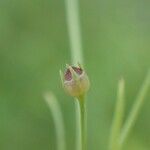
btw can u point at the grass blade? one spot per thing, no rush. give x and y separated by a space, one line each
55 109
118 117
135 110
73 23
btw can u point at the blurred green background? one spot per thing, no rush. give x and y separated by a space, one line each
34 45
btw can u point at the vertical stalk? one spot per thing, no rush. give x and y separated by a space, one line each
82 122
78 125
118 117
135 110
58 120
73 24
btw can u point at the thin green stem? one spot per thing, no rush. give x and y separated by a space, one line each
118 117
58 120
83 123
78 127
135 111
73 23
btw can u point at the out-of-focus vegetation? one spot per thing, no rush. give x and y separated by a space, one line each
34 45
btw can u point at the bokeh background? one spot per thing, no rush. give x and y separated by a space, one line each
34 45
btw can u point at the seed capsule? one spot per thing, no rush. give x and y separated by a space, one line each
75 81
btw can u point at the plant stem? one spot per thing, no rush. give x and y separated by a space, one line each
135 111
82 122
118 117
58 120
78 128
73 23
